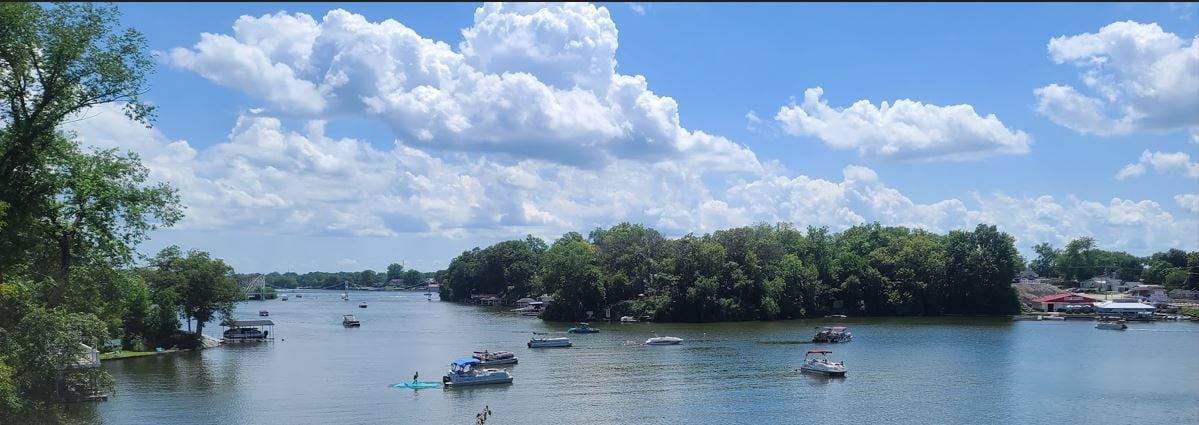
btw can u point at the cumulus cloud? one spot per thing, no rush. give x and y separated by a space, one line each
1162 162
1141 79
1189 202
267 179
906 129
529 81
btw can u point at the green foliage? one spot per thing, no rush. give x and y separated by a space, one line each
758 272
395 271
202 286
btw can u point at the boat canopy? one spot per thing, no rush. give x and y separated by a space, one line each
819 351
466 361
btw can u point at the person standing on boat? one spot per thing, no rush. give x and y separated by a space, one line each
415 376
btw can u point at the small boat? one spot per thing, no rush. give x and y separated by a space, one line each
495 358
463 372
837 316
1118 325
350 321
822 365
245 334
663 340
583 328
628 319
833 334
536 342
362 304
299 295
264 313
284 297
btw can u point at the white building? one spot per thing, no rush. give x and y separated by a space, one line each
1124 306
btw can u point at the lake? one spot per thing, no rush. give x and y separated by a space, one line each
901 371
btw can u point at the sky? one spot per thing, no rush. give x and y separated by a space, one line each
347 136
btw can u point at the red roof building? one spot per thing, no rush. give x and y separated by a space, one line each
1057 302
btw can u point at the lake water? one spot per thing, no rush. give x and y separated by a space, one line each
901 371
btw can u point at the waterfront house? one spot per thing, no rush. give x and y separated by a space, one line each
1057 302
1151 293
524 302
1102 283
486 299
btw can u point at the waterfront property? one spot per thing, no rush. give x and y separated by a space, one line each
1151 293
1058 302
1124 307
247 330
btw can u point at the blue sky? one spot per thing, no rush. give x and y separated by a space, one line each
285 166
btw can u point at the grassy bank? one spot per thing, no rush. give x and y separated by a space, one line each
130 354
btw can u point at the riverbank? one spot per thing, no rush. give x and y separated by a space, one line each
205 343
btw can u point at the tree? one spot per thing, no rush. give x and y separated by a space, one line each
412 278
204 285
571 274
102 212
366 278
395 271
55 63
1045 264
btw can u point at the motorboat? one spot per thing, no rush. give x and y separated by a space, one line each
1117 325
362 304
663 340
244 334
350 321
833 334
628 319
284 297
816 361
467 371
264 313
583 328
299 295
536 342
495 358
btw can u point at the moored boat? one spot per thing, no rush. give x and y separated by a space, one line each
362 304
264 313
583 328
536 342
350 321
495 358
628 319
464 372
821 364
833 334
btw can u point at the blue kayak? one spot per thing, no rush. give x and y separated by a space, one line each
419 384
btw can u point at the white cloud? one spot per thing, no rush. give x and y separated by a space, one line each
906 129
638 8
752 120
1143 79
267 180
1189 202
1162 162
528 81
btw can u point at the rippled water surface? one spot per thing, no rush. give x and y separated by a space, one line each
901 371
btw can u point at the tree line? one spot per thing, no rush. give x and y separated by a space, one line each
1080 260
395 275
760 272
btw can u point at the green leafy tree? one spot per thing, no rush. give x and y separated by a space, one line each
55 62
204 286
1045 264
412 278
395 271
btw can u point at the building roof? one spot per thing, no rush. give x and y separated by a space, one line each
1066 297
244 323
1111 305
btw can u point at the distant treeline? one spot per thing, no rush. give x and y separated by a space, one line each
1080 260
365 278
760 272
